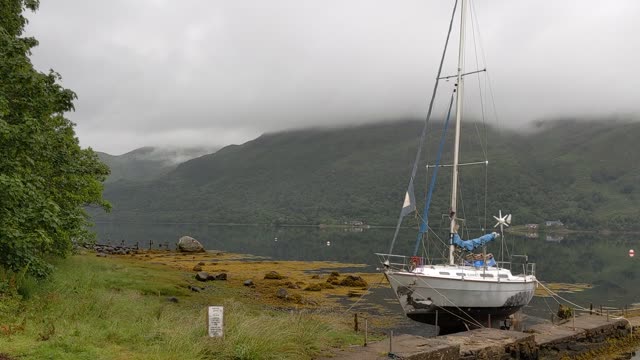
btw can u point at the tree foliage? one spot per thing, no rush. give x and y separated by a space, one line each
45 177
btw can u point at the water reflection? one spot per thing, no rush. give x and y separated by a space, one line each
600 260
281 243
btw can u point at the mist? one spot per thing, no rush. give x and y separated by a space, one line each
211 73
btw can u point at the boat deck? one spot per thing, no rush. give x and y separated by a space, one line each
471 273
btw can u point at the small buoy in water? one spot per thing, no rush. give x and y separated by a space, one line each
328 243
631 253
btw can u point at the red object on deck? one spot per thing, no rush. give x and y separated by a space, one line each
417 260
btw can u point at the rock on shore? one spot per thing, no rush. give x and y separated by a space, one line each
189 244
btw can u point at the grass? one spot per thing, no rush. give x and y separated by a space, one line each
118 308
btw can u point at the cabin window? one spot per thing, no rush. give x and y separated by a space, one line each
486 275
444 273
460 274
503 276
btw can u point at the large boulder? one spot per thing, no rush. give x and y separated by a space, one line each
189 244
203 276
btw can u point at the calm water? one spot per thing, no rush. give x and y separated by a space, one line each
600 260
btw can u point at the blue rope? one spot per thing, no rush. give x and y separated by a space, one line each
427 205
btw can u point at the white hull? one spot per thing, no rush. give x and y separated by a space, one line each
460 292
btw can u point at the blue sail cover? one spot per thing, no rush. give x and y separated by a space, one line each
473 243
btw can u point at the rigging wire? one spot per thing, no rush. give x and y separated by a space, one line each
428 117
475 26
441 241
442 250
484 60
425 239
425 220
481 214
470 319
482 112
365 293
483 144
473 321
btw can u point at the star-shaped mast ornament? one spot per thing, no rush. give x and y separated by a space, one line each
502 220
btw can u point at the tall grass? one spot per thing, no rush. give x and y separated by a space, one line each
118 309
272 335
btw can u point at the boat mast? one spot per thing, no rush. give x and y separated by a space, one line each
454 186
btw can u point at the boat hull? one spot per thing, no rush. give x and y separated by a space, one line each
455 304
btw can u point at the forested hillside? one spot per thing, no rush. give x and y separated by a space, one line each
582 173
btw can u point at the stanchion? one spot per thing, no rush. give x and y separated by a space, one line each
355 322
366 330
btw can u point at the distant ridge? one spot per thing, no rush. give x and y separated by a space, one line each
583 173
148 163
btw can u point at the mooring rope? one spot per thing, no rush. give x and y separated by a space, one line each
560 297
554 295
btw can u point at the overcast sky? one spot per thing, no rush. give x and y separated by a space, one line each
201 72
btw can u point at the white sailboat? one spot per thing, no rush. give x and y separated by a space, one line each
457 293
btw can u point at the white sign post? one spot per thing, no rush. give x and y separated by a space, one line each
216 321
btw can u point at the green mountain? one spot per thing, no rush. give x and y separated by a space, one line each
148 163
582 173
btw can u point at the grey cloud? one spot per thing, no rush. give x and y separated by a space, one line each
216 72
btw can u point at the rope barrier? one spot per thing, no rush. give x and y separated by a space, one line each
578 307
565 300
553 295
